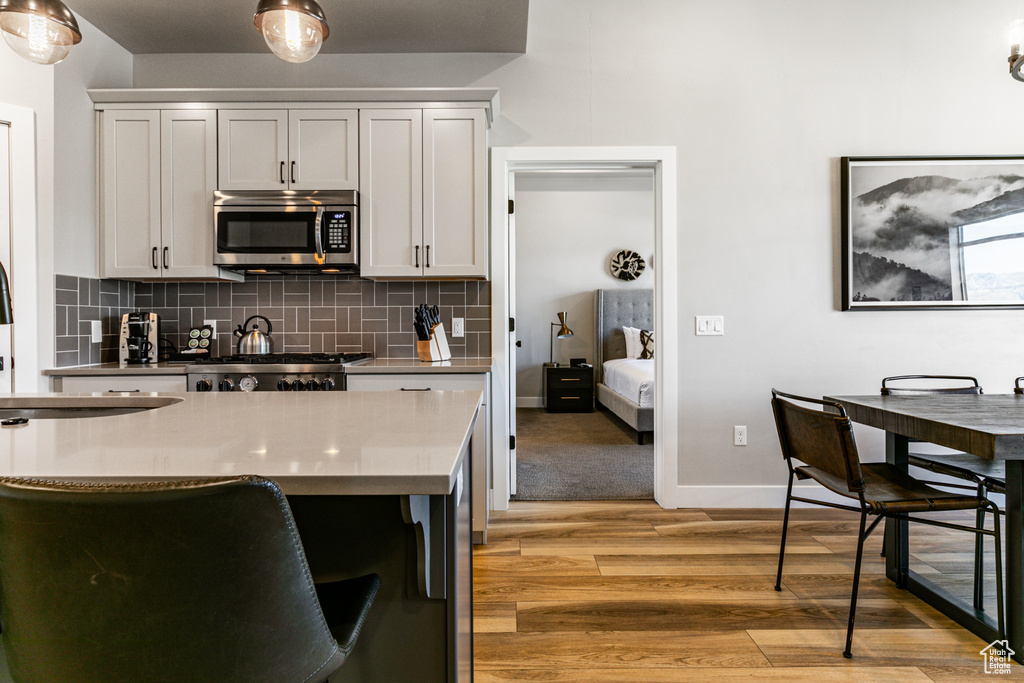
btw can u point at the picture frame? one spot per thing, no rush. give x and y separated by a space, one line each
932 232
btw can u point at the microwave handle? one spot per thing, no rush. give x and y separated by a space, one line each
318 227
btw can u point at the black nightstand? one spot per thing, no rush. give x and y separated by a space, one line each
568 389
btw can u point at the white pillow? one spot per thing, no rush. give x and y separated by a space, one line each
632 335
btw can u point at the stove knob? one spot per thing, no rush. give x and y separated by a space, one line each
313 385
283 385
298 385
204 385
226 385
327 384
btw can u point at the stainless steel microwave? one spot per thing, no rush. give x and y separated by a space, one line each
286 230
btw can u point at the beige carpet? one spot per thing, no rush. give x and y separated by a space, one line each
580 456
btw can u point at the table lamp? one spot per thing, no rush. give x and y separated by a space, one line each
563 332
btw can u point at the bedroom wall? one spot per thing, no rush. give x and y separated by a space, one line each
761 98
567 229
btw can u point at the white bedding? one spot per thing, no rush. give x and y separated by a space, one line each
633 378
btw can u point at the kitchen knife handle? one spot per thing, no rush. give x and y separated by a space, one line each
417 256
155 266
166 250
282 173
293 173
428 256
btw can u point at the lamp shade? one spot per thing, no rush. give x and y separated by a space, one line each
564 331
293 29
6 313
41 31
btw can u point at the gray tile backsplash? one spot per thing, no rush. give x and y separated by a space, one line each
308 314
79 302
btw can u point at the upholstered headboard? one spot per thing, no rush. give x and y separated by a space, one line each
613 309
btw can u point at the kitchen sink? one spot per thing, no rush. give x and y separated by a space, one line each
15 409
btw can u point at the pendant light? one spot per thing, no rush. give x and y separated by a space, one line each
294 29
41 31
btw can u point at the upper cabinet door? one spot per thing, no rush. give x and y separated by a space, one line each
188 162
252 149
323 146
454 193
130 194
391 192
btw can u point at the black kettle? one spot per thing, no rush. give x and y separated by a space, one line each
254 342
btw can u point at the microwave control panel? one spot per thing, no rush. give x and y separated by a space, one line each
338 230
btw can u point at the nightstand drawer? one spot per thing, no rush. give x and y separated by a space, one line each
570 382
570 402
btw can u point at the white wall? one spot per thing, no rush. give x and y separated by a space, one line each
567 229
761 97
96 62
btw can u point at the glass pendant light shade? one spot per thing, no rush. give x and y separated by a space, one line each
294 29
41 31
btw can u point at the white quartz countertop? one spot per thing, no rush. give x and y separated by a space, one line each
373 366
341 443
118 369
403 366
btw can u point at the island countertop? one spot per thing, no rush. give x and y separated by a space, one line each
342 443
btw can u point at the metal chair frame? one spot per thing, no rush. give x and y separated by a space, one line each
937 464
835 414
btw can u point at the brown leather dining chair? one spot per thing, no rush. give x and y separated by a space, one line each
818 443
982 475
182 581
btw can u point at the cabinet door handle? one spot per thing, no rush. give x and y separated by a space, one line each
155 266
570 379
283 181
123 391
570 398
166 249
404 389
417 256
427 264
293 173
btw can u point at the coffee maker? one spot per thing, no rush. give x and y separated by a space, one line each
138 340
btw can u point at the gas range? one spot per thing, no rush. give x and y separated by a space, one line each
273 372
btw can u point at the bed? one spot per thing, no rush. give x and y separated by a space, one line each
624 386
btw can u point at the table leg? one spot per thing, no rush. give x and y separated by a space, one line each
897 550
1015 557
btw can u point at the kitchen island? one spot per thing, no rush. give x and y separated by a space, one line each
377 481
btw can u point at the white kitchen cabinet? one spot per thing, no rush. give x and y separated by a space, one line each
481 453
158 171
297 149
423 193
87 384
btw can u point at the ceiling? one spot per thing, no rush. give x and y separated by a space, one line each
356 26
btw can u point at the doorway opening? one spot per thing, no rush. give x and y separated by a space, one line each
570 227
511 166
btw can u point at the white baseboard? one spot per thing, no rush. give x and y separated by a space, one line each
529 401
752 496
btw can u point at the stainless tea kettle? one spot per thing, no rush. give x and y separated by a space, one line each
254 342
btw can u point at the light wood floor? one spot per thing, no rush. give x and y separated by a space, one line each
625 591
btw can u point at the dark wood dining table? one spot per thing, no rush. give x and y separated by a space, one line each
989 426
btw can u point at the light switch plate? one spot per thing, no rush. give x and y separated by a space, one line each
710 325
213 326
97 331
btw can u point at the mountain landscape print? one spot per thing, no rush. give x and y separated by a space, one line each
933 232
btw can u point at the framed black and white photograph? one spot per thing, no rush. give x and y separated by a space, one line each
933 232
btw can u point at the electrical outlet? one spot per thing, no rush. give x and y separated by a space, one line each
458 327
739 435
213 326
97 331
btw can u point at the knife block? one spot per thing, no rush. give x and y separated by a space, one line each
435 348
